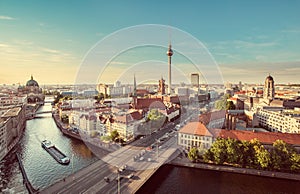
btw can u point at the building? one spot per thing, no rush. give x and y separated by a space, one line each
278 119
195 80
33 91
3 139
12 124
214 119
114 90
195 134
125 123
12 100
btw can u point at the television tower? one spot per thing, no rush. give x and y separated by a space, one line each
169 54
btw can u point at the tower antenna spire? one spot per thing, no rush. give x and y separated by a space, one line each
169 54
170 35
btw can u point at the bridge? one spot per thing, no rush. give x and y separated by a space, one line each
42 112
38 114
141 162
48 101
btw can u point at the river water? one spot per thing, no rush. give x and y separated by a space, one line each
172 179
42 170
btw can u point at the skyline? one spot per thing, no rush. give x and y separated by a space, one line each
50 39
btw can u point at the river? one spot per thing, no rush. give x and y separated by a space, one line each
173 179
42 170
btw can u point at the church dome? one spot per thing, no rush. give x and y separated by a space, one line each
32 82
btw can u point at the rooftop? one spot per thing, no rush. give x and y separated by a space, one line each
12 112
195 128
264 137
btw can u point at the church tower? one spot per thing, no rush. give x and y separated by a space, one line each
161 86
269 89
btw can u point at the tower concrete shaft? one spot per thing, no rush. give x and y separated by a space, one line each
169 54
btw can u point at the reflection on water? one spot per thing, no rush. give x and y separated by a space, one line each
42 170
172 179
81 149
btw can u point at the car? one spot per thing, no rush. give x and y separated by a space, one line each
141 158
106 179
130 176
122 168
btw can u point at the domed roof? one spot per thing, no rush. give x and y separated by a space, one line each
270 78
32 82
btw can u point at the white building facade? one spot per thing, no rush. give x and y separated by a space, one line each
279 120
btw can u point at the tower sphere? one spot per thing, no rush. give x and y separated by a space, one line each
170 52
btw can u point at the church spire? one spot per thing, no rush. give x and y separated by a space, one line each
134 93
134 86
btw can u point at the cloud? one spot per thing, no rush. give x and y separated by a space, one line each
47 50
247 44
291 31
3 17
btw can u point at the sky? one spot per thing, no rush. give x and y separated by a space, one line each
53 40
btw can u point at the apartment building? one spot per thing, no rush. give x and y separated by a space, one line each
277 119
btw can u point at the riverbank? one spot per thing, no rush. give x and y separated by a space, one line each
185 162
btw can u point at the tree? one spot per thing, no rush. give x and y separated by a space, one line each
156 119
65 118
218 151
105 138
232 151
208 156
193 154
224 104
281 155
295 159
230 105
114 135
262 156
247 156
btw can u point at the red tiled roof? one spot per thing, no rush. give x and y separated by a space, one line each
195 128
263 137
127 118
207 117
143 103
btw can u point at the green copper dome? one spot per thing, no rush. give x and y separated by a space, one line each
32 82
